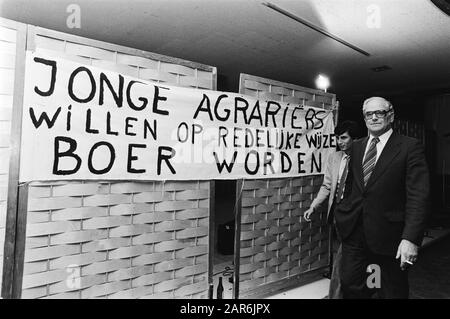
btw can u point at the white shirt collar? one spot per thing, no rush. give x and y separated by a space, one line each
383 137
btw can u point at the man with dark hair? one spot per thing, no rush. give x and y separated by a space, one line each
331 193
383 214
348 127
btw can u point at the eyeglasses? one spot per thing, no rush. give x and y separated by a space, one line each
378 114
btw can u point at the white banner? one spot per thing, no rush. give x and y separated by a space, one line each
82 122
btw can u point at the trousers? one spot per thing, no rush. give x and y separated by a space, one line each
385 281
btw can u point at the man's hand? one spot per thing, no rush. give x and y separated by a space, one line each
307 214
407 252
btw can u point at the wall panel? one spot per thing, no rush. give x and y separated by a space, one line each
7 64
276 244
119 239
12 45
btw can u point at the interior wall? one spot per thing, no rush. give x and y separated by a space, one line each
437 117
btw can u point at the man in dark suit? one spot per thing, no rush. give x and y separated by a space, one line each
383 214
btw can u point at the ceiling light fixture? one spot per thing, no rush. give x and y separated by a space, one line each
314 27
322 82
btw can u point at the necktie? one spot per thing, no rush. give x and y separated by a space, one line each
369 161
340 190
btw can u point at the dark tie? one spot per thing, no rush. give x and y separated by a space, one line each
370 159
342 180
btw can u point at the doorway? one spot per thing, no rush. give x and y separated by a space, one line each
224 230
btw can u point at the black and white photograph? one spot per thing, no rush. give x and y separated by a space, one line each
226 155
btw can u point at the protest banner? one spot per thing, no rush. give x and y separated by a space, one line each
85 123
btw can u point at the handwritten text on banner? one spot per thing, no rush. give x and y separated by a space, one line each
84 122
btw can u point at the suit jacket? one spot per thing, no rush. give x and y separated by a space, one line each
330 180
394 203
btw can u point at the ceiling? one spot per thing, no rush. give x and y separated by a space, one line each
410 36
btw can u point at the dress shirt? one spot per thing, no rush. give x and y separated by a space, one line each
380 145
